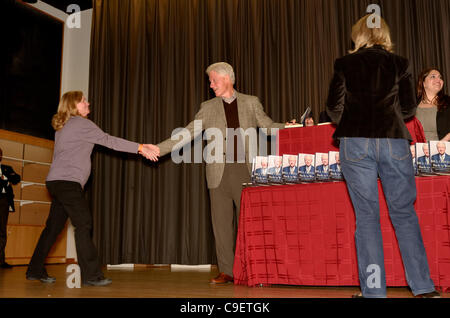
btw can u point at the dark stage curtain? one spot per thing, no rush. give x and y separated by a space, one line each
147 77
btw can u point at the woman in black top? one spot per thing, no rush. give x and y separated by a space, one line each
371 95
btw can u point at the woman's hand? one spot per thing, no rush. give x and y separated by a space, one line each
150 152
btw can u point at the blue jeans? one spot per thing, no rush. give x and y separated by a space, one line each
362 161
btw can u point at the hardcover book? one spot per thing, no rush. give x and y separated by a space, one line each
440 157
290 169
306 169
252 177
423 159
260 172
322 166
414 159
275 169
335 166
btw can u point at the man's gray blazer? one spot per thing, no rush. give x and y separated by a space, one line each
212 115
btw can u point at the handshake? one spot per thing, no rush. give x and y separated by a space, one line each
150 151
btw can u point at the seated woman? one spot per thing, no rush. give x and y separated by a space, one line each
309 121
433 110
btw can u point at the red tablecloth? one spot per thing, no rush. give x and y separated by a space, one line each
304 235
320 138
306 140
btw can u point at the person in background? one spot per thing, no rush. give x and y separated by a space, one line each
309 121
370 95
433 110
7 178
75 138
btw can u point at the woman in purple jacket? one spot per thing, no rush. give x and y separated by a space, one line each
75 138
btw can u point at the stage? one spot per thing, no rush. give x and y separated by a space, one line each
162 282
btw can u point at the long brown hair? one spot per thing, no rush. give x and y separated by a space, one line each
67 107
442 100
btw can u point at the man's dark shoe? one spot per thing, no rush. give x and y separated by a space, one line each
103 281
433 294
222 278
5 265
44 278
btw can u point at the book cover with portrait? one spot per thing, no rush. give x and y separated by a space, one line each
440 156
275 173
252 177
414 159
290 168
335 166
322 166
260 170
306 170
423 159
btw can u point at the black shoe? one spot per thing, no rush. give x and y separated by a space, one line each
98 282
433 294
5 265
44 278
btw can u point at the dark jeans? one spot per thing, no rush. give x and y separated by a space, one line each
67 201
4 213
362 161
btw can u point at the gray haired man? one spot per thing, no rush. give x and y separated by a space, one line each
229 109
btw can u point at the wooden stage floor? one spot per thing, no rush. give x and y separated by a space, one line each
162 282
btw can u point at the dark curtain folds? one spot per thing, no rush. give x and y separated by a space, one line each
147 77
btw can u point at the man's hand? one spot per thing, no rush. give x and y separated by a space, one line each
150 152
